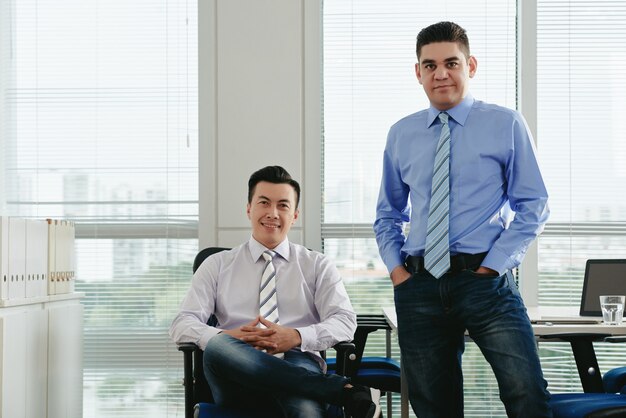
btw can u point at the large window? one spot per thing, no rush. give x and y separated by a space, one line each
369 83
98 105
581 114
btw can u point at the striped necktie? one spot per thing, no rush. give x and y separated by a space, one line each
268 307
437 251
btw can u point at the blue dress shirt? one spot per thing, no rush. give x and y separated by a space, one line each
493 170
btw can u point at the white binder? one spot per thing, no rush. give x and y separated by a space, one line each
42 265
62 261
72 256
29 272
52 276
17 258
36 258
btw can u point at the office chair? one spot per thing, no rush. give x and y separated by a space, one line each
379 372
199 402
611 403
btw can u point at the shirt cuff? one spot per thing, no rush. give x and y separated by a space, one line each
497 261
307 335
394 262
206 336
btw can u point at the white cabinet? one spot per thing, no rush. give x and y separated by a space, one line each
41 342
65 353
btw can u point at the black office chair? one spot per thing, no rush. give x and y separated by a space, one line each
199 402
608 401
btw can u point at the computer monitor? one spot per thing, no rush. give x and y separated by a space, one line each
602 277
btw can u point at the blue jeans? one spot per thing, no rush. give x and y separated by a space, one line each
432 318
241 376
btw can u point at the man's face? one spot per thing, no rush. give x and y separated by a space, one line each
444 72
272 211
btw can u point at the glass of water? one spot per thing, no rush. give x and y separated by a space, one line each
612 309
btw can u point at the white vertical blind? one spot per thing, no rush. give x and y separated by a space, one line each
369 84
99 125
581 125
581 54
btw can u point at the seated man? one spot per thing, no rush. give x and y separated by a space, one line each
277 304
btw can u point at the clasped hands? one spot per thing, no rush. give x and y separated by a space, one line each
272 339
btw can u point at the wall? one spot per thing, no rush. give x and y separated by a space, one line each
260 104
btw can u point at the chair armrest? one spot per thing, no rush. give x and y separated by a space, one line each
367 324
615 380
345 356
187 347
188 350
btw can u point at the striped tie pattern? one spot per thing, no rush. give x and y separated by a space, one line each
437 251
268 307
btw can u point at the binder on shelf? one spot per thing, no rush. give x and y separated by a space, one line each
29 272
4 257
17 258
62 266
42 269
72 257
52 277
36 258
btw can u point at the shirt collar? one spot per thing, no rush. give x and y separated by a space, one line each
458 113
257 249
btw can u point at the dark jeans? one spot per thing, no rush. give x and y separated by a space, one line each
432 318
244 377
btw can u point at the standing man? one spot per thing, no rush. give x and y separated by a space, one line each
278 304
454 171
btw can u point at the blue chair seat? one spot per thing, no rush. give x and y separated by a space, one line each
385 380
211 410
371 362
588 405
384 375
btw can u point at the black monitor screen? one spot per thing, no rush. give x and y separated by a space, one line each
602 277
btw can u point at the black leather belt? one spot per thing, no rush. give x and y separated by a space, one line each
458 262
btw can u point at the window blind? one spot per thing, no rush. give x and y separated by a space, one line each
99 125
581 127
369 84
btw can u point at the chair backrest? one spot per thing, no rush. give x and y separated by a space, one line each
203 254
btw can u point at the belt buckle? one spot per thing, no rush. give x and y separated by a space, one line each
414 264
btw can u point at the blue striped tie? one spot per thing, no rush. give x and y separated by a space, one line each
268 307
437 251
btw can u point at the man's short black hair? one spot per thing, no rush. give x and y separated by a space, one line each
272 174
443 32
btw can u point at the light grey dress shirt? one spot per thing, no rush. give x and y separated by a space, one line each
310 294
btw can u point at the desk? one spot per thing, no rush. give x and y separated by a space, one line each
580 336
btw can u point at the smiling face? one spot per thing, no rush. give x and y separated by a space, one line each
444 72
272 210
